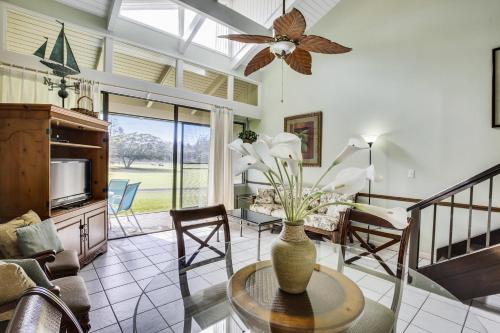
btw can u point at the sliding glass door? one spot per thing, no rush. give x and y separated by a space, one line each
194 153
165 150
142 138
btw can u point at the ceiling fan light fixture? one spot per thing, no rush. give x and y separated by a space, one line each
282 48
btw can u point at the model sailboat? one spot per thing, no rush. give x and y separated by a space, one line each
62 62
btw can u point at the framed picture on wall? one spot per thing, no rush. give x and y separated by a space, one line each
308 127
496 88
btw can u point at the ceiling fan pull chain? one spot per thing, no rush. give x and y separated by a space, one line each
282 82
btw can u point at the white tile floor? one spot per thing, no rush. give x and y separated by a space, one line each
116 279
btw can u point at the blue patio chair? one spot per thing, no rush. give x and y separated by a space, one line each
125 205
116 189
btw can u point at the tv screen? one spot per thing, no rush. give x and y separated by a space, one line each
70 181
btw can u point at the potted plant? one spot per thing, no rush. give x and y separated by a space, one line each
248 136
293 255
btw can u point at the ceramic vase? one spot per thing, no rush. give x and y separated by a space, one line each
293 257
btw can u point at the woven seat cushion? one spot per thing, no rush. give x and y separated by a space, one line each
74 293
376 318
66 264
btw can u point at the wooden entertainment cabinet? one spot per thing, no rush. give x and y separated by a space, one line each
26 149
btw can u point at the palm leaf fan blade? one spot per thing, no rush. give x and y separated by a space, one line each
291 25
300 61
319 44
255 39
262 59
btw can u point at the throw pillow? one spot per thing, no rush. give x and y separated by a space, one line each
31 218
8 238
38 237
18 281
265 196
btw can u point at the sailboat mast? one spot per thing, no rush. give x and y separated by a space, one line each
64 40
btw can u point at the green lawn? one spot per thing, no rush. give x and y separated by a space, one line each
155 191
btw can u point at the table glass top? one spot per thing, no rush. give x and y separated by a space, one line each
198 300
252 217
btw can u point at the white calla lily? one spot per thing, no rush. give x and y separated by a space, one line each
352 146
237 146
288 151
284 138
280 160
248 162
266 139
250 150
351 180
398 217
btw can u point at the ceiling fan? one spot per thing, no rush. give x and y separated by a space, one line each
289 44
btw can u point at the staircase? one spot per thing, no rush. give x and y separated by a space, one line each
469 268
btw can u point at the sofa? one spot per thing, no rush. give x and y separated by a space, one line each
324 222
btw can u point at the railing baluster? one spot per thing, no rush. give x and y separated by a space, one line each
470 218
433 233
450 236
488 225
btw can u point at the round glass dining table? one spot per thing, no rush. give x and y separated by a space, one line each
191 294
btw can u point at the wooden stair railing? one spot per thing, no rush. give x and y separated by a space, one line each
448 265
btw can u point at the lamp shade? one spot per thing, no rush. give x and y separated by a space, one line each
370 138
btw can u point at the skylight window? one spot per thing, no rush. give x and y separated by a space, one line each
166 15
162 15
208 36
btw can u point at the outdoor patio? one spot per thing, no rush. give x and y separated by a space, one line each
148 222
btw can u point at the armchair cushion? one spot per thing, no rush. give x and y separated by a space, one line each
17 280
38 237
265 196
65 264
74 294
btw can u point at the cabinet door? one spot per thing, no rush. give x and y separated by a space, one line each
97 228
70 232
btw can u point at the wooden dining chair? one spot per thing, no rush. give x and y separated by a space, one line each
376 317
187 220
39 310
391 236
208 306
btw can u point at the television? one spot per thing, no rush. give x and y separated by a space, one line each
70 181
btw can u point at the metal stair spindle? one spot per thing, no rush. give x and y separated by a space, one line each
450 236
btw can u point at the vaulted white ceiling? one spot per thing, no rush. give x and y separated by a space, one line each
247 16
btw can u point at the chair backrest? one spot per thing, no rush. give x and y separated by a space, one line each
128 197
39 310
186 220
117 186
402 237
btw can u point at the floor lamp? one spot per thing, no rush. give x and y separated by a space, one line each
370 140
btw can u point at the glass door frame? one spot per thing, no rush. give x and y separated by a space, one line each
106 113
181 183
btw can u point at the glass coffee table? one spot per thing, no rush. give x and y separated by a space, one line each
263 222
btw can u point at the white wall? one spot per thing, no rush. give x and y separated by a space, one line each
419 75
